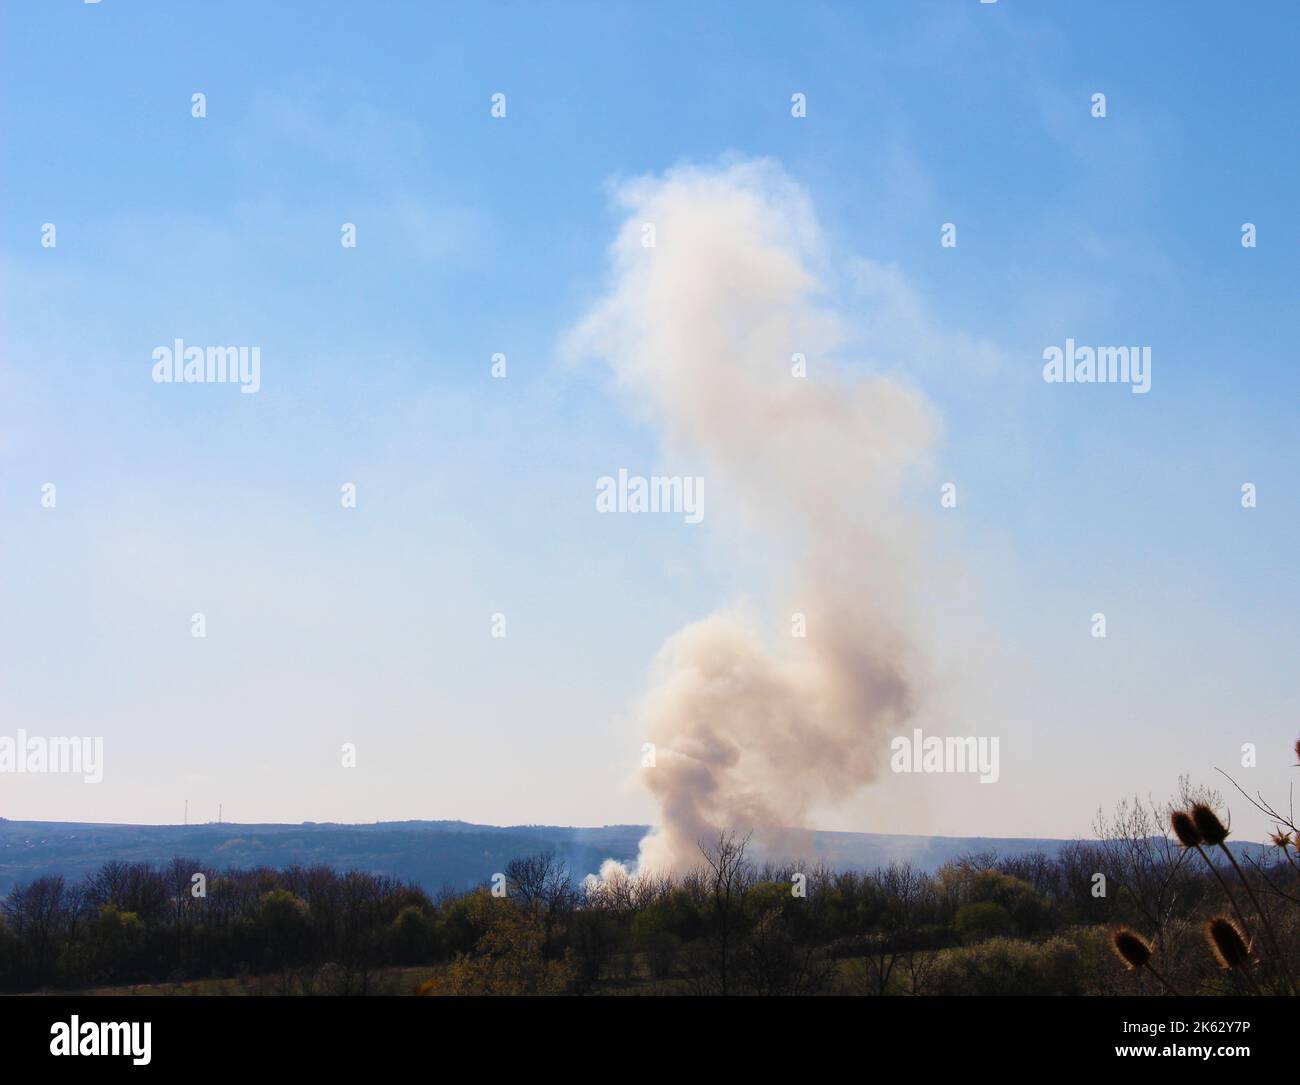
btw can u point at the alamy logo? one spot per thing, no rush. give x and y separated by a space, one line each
179 364
634 493
77 756
1102 365
950 754
77 1037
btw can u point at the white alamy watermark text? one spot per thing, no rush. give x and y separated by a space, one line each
37 754
659 493
1098 365
951 754
179 364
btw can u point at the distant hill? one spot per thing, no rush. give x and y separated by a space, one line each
435 854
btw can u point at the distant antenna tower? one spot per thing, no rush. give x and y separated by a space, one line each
218 813
187 811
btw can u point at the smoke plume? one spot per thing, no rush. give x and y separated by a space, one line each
755 726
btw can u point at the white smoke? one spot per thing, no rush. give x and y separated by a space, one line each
754 731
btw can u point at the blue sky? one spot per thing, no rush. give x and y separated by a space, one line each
478 235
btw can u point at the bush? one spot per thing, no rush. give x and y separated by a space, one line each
509 958
984 919
285 922
593 938
1009 966
674 912
412 937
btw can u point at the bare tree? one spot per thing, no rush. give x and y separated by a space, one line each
726 877
901 891
1144 866
36 913
542 883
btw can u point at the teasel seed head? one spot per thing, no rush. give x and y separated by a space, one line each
1208 825
1130 947
1184 828
1279 839
1228 942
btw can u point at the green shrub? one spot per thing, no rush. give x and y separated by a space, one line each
412 936
981 920
1009 966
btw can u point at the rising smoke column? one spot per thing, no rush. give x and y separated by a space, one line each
752 731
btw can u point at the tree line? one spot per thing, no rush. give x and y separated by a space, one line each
983 924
